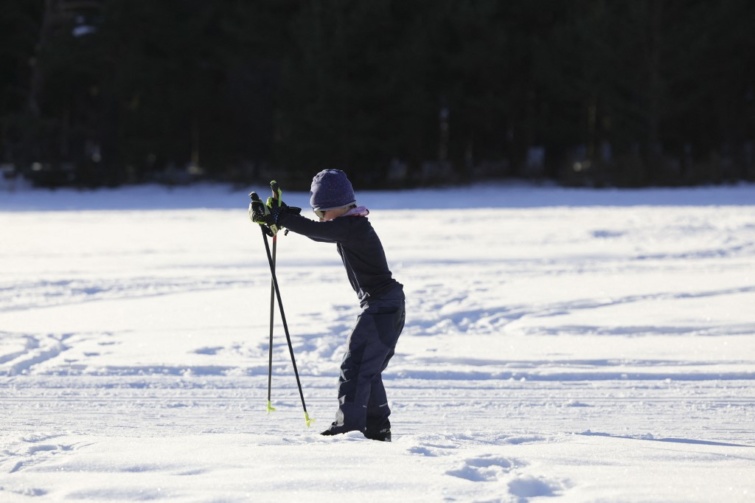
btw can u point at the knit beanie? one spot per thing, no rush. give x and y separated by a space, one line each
331 189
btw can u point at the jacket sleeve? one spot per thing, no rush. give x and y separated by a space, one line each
332 231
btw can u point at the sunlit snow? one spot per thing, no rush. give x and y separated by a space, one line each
560 344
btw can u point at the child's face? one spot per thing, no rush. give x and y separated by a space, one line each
327 215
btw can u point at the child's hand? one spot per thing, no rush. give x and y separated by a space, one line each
277 207
275 204
259 213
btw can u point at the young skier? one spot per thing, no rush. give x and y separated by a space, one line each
363 405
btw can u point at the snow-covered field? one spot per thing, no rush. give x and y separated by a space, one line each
560 345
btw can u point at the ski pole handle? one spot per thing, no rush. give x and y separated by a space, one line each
257 208
277 192
277 196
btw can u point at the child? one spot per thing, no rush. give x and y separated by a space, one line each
363 405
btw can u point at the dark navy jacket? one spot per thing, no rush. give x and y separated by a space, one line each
359 246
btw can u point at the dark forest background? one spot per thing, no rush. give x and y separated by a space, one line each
399 93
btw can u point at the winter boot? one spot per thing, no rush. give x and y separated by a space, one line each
383 435
335 429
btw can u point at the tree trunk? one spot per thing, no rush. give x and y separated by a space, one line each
37 76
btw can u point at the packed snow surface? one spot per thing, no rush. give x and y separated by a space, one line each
560 344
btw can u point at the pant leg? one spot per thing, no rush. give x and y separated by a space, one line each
377 407
370 348
361 364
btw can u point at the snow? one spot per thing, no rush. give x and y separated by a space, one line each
561 344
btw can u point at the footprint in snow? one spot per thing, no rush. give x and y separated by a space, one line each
502 470
31 455
436 447
423 451
483 469
208 350
531 487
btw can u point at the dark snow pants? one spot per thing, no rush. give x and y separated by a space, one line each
363 404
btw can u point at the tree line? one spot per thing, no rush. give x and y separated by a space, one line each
397 92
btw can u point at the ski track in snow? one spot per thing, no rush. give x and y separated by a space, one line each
585 352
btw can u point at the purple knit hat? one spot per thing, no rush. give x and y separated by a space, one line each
331 189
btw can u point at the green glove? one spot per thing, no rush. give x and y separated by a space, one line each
259 213
275 204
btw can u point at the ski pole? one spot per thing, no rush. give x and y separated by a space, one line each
256 199
270 408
